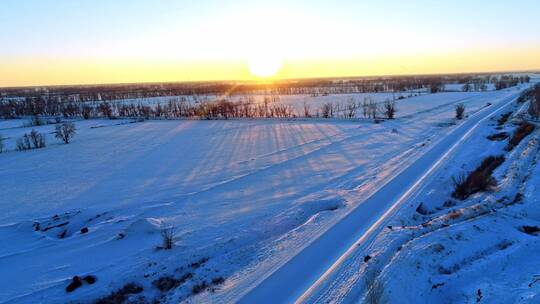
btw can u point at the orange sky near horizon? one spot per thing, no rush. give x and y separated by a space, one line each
56 71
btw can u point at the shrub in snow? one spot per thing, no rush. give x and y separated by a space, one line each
167 283
460 111
521 132
498 136
198 263
23 143
90 279
121 295
198 288
37 139
460 187
75 283
167 234
218 281
65 132
503 119
36 121
32 140
478 180
533 230
421 209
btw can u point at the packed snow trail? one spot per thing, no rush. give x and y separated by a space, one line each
303 273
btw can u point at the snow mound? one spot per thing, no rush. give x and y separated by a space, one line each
314 206
144 226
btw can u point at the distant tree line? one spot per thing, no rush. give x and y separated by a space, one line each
174 108
115 101
507 81
181 107
501 82
314 87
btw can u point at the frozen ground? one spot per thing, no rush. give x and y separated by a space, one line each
243 197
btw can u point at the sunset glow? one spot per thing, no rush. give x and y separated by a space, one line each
264 67
140 41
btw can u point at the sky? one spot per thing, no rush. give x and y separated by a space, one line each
45 42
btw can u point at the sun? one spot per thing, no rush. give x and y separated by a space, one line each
264 66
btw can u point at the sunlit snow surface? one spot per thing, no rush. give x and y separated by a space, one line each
244 194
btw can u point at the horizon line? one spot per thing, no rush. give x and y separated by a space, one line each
532 70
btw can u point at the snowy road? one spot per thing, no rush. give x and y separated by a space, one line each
305 274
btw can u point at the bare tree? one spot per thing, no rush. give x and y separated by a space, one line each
106 109
365 108
390 109
65 132
460 111
436 87
483 87
373 109
37 139
86 111
352 106
327 110
306 110
1 143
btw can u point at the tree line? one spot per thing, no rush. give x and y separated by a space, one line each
325 86
182 107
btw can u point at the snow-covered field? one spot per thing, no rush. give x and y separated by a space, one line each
243 196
